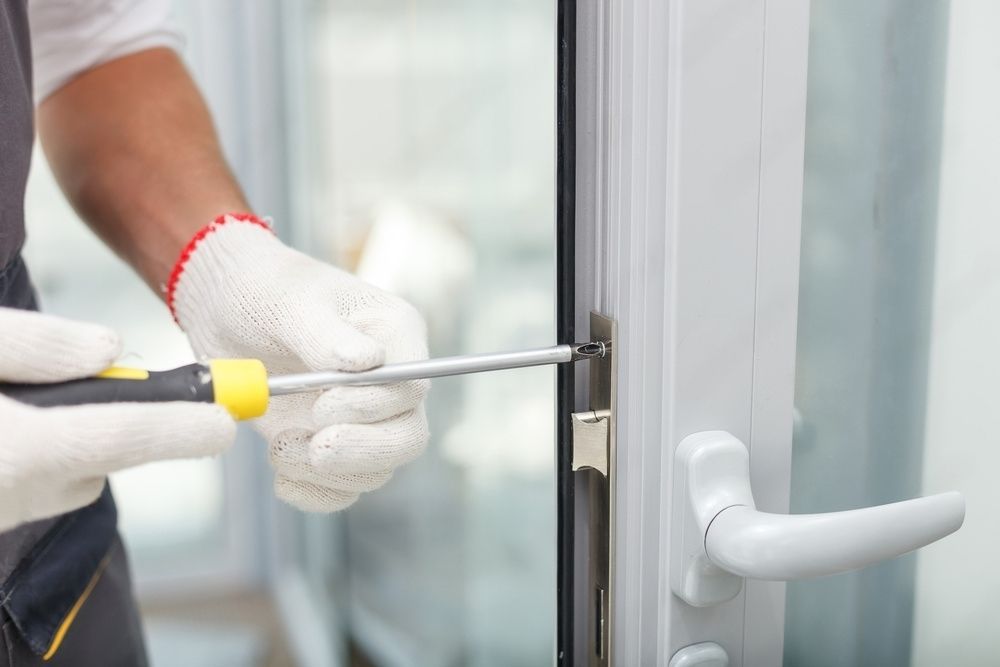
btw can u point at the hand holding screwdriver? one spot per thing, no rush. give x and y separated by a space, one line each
240 293
327 446
55 460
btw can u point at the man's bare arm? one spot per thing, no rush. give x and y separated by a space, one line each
134 149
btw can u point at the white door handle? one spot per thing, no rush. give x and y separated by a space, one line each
723 538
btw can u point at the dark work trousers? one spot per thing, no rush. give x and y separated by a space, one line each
105 631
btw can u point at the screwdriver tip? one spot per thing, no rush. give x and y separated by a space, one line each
591 350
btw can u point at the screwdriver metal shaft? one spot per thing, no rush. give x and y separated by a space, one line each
433 368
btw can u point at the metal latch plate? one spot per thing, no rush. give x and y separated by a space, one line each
590 440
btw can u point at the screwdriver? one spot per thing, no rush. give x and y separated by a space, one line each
243 387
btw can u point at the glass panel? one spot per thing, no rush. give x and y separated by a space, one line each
898 323
69 266
424 134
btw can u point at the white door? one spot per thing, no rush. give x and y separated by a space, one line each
789 212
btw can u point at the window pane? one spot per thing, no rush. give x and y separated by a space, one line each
429 162
898 322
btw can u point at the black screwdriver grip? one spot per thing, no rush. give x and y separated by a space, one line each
186 383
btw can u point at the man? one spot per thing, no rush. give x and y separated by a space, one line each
132 145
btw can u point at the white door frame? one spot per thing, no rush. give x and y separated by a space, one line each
690 127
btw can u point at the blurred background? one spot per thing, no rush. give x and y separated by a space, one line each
413 143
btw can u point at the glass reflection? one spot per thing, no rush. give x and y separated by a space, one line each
429 165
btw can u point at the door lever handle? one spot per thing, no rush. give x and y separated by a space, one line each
782 547
724 538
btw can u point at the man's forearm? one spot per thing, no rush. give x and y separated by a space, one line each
134 149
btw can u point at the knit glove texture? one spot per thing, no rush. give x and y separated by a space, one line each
239 292
53 460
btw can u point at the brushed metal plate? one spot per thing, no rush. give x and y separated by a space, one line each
601 491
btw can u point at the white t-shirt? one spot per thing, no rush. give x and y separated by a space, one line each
70 36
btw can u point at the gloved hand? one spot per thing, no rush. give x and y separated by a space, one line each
53 460
239 292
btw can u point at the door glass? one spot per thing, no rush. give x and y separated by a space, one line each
899 318
422 134
167 540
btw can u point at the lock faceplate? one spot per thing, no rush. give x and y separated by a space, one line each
593 459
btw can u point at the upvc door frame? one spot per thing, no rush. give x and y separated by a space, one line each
689 136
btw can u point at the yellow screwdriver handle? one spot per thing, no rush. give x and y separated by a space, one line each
239 385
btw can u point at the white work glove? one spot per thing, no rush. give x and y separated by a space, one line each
53 460
239 292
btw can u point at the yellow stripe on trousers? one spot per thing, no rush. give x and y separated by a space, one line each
71 616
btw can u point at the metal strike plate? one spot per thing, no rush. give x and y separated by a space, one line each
594 461
590 440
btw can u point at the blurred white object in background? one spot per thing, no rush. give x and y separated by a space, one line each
421 257
518 440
